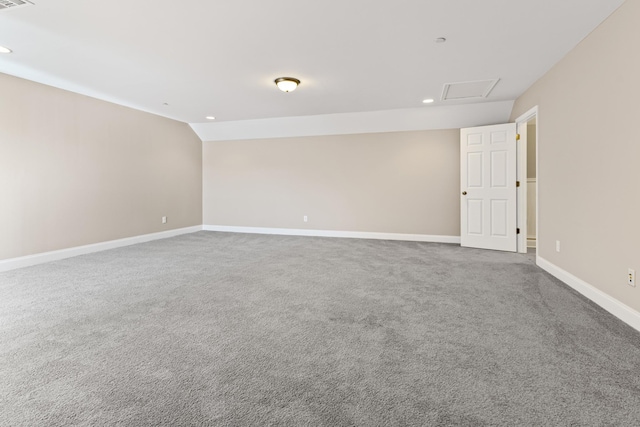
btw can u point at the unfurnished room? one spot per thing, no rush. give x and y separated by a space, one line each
355 213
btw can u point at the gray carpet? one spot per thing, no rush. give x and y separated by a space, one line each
249 330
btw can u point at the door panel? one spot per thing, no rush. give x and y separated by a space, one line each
488 180
475 217
498 218
475 170
499 169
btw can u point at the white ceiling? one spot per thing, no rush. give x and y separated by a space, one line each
220 58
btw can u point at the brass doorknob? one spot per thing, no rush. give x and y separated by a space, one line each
464 193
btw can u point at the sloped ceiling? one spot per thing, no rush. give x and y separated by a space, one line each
220 57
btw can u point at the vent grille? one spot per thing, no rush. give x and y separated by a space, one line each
13 4
468 90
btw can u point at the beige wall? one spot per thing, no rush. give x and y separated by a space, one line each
399 182
75 170
589 156
531 150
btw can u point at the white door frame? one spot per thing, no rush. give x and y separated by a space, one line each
522 177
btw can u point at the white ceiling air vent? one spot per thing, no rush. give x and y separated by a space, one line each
13 4
468 90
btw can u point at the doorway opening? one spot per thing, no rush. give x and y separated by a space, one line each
528 125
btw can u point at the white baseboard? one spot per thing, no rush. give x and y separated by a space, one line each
531 243
612 305
333 233
41 258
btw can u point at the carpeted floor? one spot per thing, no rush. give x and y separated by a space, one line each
250 330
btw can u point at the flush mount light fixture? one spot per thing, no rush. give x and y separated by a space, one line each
287 84
5 49
210 118
441 40
428 101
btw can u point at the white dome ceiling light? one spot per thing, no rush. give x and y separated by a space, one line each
287 84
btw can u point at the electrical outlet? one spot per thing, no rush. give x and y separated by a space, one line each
305 218
631 280
164 219
557 245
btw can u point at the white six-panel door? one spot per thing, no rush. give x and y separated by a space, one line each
488 187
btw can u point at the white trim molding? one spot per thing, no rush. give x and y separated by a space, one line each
335 233
609 303
41 258
522 167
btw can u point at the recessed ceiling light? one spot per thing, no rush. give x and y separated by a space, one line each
428 101
210 118
5 49
441 40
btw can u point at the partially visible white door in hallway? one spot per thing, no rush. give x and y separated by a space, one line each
488 187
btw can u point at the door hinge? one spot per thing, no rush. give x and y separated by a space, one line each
517 137
517 183
517 231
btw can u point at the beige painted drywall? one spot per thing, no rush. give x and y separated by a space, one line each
399 182
531 183
75 170
589 156
531 150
